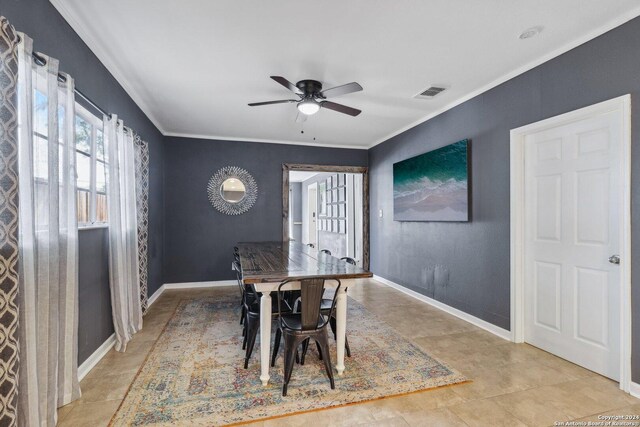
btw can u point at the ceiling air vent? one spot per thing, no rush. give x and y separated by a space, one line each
431 92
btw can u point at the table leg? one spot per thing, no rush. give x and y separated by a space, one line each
265 336
341 327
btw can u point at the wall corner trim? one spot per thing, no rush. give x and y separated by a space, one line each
154 297
194 285
483 324
634 389
102 351
189 285
97 355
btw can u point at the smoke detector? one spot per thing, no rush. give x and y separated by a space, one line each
530 33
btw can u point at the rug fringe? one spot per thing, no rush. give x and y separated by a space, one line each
342 405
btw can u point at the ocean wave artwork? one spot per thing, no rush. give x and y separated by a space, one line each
433 186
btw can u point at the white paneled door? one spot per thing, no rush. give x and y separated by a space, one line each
573 194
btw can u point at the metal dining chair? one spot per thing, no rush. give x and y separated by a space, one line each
348 260
252 317
238 269
299 328
326 310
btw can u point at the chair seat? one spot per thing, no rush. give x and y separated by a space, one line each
294 321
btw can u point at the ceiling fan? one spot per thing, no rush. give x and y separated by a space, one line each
312 97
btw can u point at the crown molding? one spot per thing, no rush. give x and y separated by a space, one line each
521 70
267 141
107 59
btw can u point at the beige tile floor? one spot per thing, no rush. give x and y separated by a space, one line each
512 384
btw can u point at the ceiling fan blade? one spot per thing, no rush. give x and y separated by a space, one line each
300 118
341 108
283 101
286 83
341 90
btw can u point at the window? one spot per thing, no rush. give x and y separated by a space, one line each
41 153
91 168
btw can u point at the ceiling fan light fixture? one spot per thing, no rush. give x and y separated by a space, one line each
308 107
312 97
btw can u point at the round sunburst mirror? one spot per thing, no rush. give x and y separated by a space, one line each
232 190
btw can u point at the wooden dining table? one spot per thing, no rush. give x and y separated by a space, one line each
267 264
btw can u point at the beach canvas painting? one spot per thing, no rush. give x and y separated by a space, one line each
433 186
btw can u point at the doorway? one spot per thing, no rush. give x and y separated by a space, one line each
570 248
312 210
327 207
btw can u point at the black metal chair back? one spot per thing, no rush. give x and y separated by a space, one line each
238 268
326 251
310 300
311 291
348 260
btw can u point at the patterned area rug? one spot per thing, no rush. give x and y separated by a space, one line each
194 374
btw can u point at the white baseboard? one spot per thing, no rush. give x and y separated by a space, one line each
97 355
634 390
193 285
189 285
155 296
489 327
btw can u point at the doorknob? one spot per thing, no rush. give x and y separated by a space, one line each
614 259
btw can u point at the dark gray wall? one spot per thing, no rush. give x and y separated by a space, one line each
52 35
199 239
466 265
94 315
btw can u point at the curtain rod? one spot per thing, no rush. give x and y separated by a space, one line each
90 102
63 79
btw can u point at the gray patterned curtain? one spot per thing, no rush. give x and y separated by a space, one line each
141 152
8 224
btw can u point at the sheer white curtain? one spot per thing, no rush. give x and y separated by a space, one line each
123 232
48 240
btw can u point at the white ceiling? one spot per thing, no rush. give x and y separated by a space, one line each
193 65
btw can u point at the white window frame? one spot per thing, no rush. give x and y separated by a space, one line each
95 123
